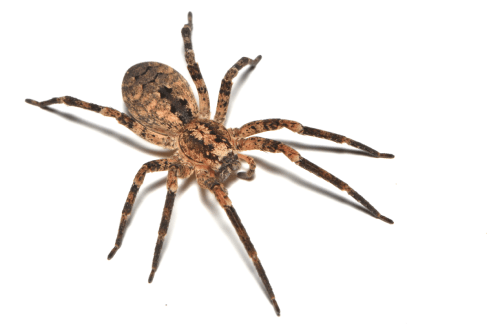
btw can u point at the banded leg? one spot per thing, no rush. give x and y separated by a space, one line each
273 146
150 136
221 195
251 164
227 84
194 68
165 220
153 166
260 126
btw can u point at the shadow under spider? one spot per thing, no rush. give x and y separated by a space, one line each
145 191
327 149
263 164
242 78
161 153
230 233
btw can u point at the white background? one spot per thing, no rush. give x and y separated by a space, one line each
416 79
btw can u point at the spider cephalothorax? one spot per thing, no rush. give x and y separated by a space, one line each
208 144
164 112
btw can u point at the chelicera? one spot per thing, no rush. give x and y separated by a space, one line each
164 112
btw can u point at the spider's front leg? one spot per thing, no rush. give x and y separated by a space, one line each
259 126
221 195
273 146
153 166
165 220
153 137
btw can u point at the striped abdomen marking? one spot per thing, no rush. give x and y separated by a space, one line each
159 97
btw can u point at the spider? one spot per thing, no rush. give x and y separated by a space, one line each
164 112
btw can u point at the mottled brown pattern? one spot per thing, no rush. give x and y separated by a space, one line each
227 84
159 97
251 167
259 126
165 113
209 144
273 146
142 131
342 139
221 195
194 69
165 220
152 166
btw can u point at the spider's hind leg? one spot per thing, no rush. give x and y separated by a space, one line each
260 126
273 146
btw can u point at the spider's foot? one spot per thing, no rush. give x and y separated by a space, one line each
32 102
151 276
190 21
386 219
113 252
385 155
256 61
43 105
244 175
276 307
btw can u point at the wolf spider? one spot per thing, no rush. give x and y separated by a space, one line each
164 112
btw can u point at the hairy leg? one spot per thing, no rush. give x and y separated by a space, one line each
273 146
194 69
165 220
227 84
251 164
221 195
153 137
260 126
153 166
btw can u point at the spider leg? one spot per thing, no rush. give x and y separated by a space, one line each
251 163
273 146
260 126
194 69
153 137
152 166
165 220
221 195
227 84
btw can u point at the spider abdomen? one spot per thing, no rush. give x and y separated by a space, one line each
159 97
208 143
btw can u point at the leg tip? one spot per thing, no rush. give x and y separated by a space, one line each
112 253
32 102
243 175
151 276
276 307
386 219
386 156
256 61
